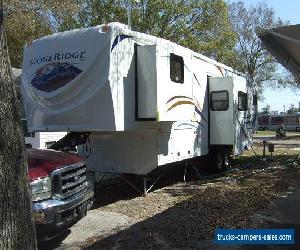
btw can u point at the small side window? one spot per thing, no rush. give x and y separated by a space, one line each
219 100
22 109
254 100
242 101
176 68
25 129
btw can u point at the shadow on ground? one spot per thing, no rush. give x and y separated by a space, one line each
186 224
120 190
192 222
55 242
189 224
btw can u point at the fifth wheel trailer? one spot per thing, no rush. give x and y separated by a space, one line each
145 101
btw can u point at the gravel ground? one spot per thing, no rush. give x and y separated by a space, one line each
179 215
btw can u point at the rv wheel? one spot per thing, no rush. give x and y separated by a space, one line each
227 161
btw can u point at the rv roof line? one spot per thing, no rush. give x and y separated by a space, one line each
195 54
209 60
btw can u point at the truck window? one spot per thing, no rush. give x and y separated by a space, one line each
242 101
176 68
24 121
25 129
254 100
219 100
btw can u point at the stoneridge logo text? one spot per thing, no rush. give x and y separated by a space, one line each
79 55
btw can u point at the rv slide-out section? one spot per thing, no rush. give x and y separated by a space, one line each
232 121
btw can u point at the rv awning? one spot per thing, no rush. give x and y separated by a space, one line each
284 44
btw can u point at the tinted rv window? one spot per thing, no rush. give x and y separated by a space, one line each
242 101
176 68
219 100
24 121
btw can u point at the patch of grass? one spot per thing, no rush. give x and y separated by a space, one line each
284 157
265 132
273 133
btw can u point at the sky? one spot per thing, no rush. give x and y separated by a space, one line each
280 99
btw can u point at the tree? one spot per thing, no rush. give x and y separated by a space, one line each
202 26
292 109
17 229
251 57
27 20
266 110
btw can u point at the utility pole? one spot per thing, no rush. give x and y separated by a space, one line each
129 10
129 6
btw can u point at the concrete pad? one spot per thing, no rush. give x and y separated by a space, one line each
285 210
284 213
96 223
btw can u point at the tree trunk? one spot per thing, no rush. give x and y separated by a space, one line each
17 229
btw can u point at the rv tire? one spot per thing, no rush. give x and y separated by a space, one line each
221 161
218 162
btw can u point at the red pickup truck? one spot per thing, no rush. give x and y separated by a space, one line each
61 194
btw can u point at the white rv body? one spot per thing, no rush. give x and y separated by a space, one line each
144 99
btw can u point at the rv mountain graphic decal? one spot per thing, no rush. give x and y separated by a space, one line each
54 76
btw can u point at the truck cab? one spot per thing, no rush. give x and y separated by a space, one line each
61 194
